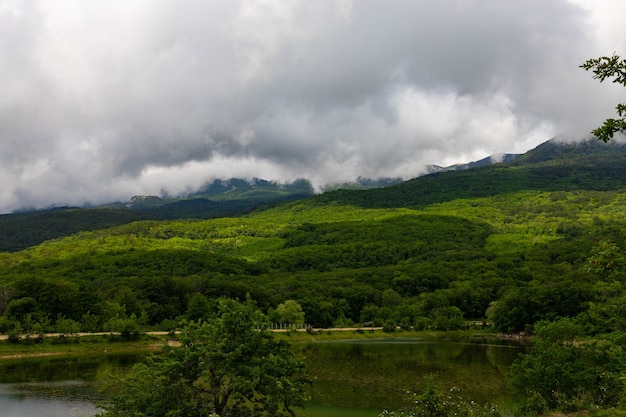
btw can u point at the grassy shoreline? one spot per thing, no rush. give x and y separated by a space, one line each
86 345
321 335
111 344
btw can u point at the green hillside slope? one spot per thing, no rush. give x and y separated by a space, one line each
22 230
531 251
219 199
552 166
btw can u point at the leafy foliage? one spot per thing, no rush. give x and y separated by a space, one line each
614 68
288 312
228 366
561 374
433 402
606 258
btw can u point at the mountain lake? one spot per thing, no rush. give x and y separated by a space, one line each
352 378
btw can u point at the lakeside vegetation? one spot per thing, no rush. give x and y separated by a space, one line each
342 385
538 240
89 343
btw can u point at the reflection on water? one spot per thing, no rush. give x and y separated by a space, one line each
352 378
44 400
57 387
367 376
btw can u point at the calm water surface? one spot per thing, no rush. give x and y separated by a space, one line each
57 387
352 378
361 378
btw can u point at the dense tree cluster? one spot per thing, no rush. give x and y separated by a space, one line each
568 372
228 365
509 262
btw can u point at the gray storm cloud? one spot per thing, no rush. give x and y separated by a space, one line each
102 100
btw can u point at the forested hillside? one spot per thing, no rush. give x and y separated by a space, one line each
540 238
552 166
22 230
217 199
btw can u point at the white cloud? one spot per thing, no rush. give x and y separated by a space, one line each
105 99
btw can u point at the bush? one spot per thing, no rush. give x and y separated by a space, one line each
67 327
6 325
127 327
562 374
389 326
405 323
15 334
448 318
422 323
433 402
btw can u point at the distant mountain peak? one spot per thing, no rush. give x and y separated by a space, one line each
572 151
142 201
362 183
496 158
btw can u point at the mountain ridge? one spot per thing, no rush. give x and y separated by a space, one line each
551 166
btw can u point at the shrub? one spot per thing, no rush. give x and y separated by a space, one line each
389 326
562 374
433 402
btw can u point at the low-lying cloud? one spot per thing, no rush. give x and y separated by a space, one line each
104 100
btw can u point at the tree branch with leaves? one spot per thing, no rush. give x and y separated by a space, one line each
613 68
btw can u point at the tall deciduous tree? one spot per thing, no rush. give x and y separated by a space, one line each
289 312
612 68
229 366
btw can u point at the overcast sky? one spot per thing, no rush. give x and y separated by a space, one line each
104 99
